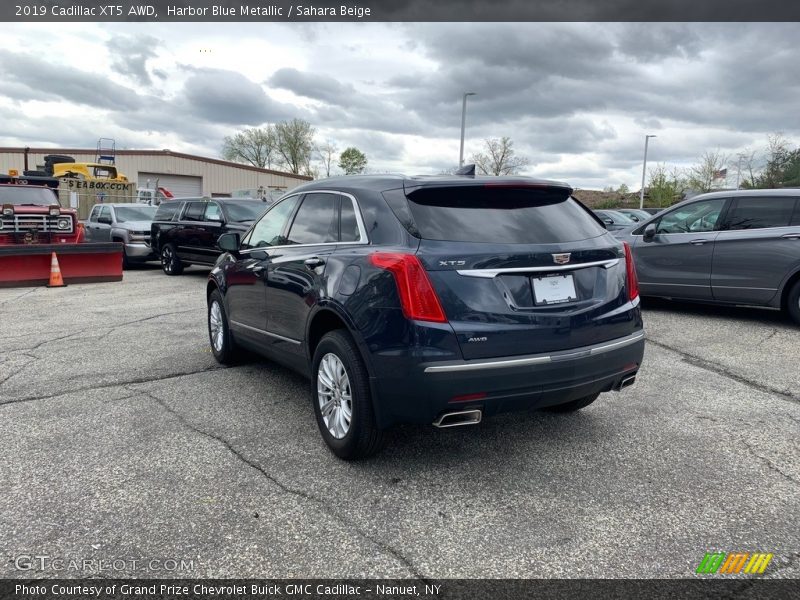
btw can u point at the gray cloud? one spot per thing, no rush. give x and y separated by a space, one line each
316 86
32 77
129 55
229 97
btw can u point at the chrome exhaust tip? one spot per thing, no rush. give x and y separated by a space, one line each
458 418
625 382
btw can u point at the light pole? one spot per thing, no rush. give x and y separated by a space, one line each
644 170
463 124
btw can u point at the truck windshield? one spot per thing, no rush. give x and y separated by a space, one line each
135 213
21 195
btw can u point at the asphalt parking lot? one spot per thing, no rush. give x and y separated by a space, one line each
122 439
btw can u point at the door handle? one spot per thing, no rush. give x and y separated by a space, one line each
314 262
791 236
698 242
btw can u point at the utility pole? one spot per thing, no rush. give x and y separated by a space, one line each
644 170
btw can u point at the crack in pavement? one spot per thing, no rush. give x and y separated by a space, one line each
771 335
22 295
347 522
772 466
708 365
110 329
114 384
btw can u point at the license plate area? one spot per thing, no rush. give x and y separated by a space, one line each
553 289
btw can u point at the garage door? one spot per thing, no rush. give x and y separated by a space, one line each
179 185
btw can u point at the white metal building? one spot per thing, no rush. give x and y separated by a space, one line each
182 174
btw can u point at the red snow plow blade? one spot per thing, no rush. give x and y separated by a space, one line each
27 265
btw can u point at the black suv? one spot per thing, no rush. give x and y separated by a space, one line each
430 300
185 230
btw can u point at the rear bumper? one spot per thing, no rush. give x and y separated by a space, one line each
429 389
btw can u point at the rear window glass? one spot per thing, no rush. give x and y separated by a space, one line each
167 210
511 216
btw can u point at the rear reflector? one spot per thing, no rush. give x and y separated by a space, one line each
417 296
630 272
468 397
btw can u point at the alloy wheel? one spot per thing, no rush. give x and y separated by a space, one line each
334 395
166 259
215 327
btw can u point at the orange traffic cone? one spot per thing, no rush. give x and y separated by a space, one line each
55 273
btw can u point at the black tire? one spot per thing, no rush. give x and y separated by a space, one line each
574 405
793 302
170 263
224 347
363 438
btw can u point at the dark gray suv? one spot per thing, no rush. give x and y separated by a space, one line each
731 247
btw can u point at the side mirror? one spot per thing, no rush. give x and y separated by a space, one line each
229 242
608 221
649 233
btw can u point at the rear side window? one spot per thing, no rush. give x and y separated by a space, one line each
213 212
349 224
194 211
796 217
315 222
760 213
167 210
500 215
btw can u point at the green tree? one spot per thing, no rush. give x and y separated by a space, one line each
257 146
295 142
782 168
664 187
352 161
701 176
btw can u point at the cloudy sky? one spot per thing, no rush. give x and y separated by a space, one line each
577 99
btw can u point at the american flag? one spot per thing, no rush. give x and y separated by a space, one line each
721 174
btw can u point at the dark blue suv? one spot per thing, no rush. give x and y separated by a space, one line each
430 300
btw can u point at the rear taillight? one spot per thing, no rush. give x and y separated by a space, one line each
630 272
417 296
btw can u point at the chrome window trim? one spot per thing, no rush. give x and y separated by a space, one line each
540 359
362 230
264 332
491 273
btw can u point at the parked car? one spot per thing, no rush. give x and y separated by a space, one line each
732 247
126 223
430 300
634 214
185 230
614 220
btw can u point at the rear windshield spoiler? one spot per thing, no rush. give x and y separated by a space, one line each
555 188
